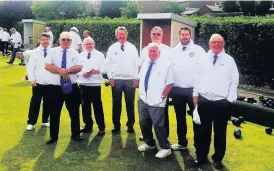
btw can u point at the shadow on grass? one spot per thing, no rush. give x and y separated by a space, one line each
29 147
21 84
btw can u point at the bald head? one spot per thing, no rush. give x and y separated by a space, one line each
89 44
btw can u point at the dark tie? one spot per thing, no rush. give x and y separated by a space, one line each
215 59
64 60
148 75
122 47
184 48
88 55
45 52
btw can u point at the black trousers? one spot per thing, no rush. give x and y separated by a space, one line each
39 92
181 97
5 46
72 101
129 92
92 94
14 51
216 113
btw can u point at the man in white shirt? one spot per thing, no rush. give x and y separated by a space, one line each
122 70
156 35
90 79
86 34
5 41
37 76
63 65
76 39
185 59
156 81
215 89
48 30
16 42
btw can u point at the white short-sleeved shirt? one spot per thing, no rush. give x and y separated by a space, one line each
165 52
16 39
96 61
219 81
55 56
122 64
185 64
161 75
76 40
5 36
36 66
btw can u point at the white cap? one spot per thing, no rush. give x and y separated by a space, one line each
75 29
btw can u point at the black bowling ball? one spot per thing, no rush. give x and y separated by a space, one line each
237 133
268 130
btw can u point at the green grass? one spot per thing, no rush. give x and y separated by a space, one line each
22 150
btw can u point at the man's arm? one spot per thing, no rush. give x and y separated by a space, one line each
167 90
234 79
52 68
169 82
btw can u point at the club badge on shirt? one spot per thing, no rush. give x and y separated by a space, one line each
191 54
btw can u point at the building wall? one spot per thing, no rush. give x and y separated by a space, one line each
28 30
37 30
205 10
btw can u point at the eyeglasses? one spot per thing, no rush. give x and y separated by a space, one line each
217 42
156 34
89 44
66 40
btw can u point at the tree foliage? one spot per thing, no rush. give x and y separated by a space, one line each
252 8
131 9
51 10
111 9
172 7
231 6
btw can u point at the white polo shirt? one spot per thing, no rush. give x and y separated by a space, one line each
16 39
55 56
76 40
161 75
96 61
122 64
5 36
165 52
1 33
36 66
50 38
185 64
219 81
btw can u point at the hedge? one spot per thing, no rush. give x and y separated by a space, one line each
102 29
250 40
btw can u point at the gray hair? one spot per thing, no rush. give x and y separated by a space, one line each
120 28
87 39
214 36
150 45
156 28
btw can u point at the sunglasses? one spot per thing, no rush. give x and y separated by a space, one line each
156 34
66 40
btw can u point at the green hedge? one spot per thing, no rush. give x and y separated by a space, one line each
102 29
253 113
250 40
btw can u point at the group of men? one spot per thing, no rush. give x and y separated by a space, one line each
206 82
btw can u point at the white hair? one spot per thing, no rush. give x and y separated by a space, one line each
88 39
120 28
150 45
213 36
156 28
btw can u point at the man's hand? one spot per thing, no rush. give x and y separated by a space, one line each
95 71
65 78
111 81
195 100
33 83
63 72
163 97
87 74
135 83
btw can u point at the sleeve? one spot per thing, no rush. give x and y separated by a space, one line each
234 79
31 68
76 59
49 57
202 55
169 75
108 63
102 64
136 62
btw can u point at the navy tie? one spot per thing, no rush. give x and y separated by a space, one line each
88 55
123 47
45 52
148 75
64 60
184 48
215 59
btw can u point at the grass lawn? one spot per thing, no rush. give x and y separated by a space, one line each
23 150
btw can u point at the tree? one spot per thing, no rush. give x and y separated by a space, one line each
131 9
111 9
262 7
231 6
172 7
248 7
14 11
53 10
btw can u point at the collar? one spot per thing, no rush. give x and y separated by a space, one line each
219 55
189 45
156 61
41 48
125 44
